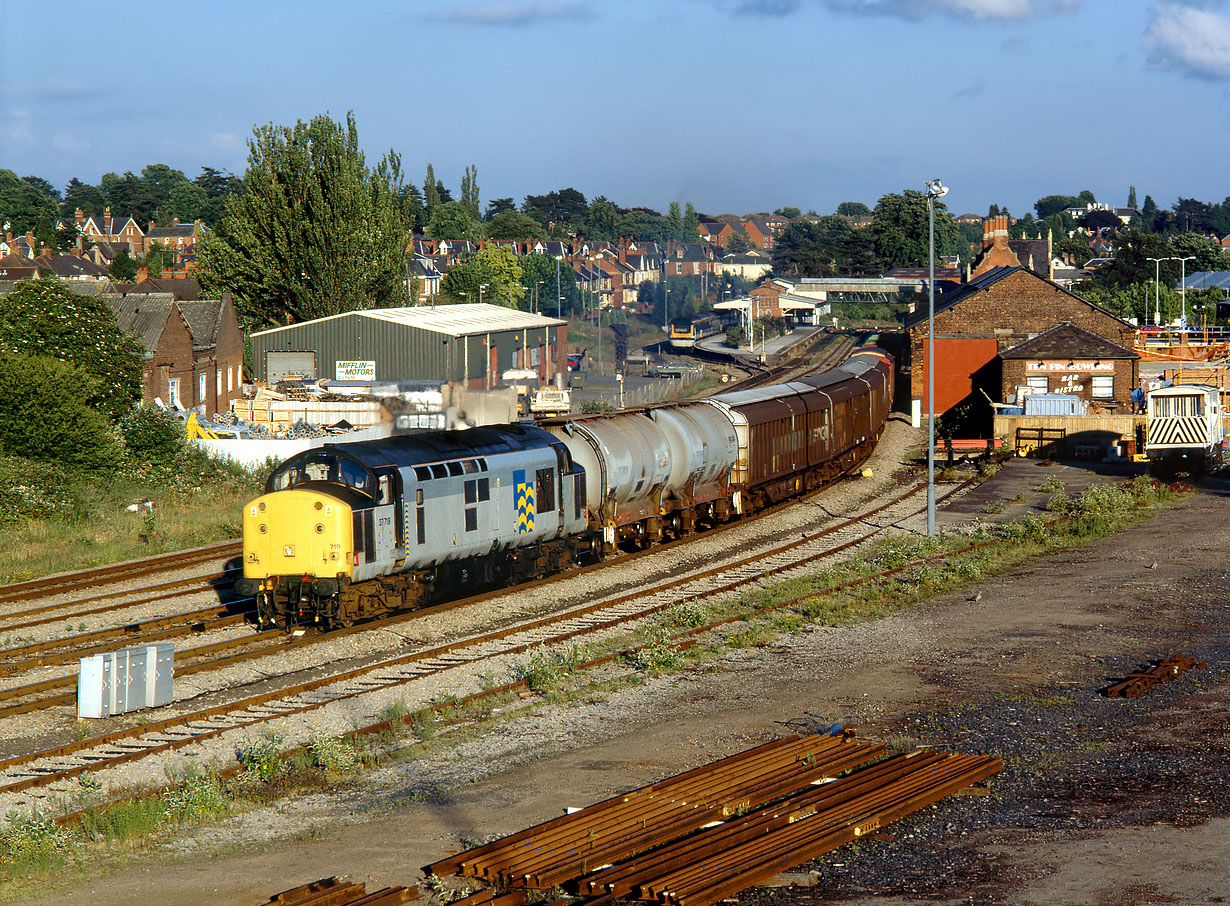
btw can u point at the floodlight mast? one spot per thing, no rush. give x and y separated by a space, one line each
935 189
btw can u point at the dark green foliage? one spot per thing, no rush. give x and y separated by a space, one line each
853 209
44 318
25 206
123 267
152 434
900 227
315 232
44 414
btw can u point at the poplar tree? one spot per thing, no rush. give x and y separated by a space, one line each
315 231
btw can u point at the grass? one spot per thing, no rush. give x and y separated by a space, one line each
852 591
52 520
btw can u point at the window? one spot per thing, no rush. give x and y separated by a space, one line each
219 375
1038 384
439 470
484 489
173 392
204 385
471 519
230 378
546 490
1103 386
471 492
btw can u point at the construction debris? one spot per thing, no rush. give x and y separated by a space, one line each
1136 684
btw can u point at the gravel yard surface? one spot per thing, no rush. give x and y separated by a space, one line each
1102 801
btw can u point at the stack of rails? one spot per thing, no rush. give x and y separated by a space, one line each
702 836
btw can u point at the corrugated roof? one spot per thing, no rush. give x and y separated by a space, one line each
463 320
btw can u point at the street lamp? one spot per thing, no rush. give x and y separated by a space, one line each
1157 291
481 287
935 189
1183 284
538 295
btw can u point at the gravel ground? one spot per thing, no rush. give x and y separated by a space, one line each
1101 801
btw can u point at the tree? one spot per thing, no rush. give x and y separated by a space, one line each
469 192
853 209
45 414
1054 204
88 198
494 274
788 213
452 220
156 258
514 225
1098 220
558 210
539 269
123 267
1131 265
899 230
315 231
43 318
24 206
1131 202
499 206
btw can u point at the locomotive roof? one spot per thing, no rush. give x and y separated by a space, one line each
438 446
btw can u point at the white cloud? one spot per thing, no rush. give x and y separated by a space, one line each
514 12
17 127
1190 39
978 10
67 141
226 141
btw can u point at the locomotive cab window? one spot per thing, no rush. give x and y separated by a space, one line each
323 466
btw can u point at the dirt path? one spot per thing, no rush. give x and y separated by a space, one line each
1102 801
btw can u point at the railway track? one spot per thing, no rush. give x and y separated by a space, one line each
66 583
44 770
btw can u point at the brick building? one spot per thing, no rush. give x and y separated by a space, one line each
193 350
989 315
1068 359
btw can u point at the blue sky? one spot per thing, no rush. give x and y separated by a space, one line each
734 105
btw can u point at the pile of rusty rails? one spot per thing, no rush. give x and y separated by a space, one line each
334 892
702 836
1136 684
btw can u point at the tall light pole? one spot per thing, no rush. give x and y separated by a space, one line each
481 288
559 297
1157 291
935 189
1183 285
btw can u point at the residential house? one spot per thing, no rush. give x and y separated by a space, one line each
688 259
716 233
193 351
423 280
750 265
177 236
1000 251
115 230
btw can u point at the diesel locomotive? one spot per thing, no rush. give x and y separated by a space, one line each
352 530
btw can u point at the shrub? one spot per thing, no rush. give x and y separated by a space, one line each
152 434
261 758
44 413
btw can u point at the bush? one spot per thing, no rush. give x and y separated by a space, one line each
44 414
152 434
735 336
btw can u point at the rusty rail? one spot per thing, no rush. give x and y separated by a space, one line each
334 892
1136 684
703 836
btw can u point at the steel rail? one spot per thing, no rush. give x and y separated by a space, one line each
196 583
346 676
60 582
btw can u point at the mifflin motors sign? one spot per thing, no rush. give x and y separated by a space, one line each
354 371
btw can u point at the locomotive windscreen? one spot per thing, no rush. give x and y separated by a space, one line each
323 465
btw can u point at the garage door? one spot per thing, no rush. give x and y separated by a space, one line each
281 366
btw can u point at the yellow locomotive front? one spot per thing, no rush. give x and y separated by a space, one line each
298 539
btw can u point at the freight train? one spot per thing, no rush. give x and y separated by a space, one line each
353 530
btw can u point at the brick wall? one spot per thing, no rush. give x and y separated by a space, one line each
1010 310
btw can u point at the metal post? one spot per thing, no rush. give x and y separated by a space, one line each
1157 291
1183 285
935 189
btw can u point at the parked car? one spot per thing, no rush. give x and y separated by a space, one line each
675 370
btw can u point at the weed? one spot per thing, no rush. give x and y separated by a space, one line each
199 797
658 653
547 669
994 506
81 730
261 758
1052 485
333 754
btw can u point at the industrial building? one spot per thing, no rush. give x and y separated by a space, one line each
468 346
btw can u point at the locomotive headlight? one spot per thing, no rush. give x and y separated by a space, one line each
264 528
320 529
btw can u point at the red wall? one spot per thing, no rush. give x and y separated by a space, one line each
956 360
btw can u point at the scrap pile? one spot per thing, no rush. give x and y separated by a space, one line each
1135 684
700 837
333 892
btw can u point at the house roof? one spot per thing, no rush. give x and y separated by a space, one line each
142 314
184 230
452 320
956 295
184 289
203 319
72 266
1066 341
